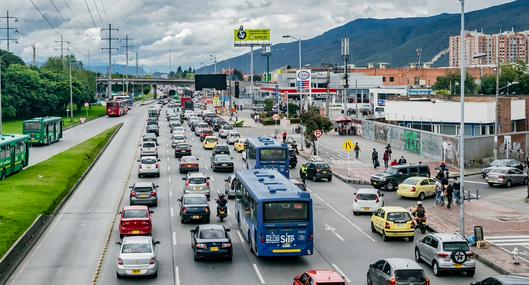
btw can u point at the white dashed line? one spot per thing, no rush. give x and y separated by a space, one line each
170 193
339 236
177 275
258 274
172 212
174 238
240 236
169 179
168 168
476 182
341 273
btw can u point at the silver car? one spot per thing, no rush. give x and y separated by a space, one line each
148 166
506 176
233 136
177 138
137 257
196 183
402 271
149 149
445 252
224 131
229 186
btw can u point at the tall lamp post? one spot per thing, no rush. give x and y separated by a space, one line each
462 126
301 99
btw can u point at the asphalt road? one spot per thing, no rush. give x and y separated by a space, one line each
70 250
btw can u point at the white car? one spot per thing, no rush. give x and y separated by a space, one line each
137 257
149 148
179 131
177 138
188 113
224 131
233 136
367 200
148 166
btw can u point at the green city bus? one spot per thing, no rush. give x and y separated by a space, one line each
14 154
44 130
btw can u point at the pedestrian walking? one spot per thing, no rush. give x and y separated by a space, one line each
385 158
449 194
357 150
284 137
402 160
457 191
374 158
394 163
388 150
439 200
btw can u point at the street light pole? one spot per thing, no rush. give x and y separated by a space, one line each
301 95
496 111
71 89
462 127
214 58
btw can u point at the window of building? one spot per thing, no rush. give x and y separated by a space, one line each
384 79
392 79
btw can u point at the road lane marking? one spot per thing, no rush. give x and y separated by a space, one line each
170 193
177 275
476 182
258 274
240 236
168 168
172 212
342 215
339 236
169 179
174 238
341 273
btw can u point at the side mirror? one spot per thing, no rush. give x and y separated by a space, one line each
228 230
179 200
138 160
118 243
382 195
157 242
156 186
192 231
296 278
227 179
371 265
130 187
120 212
151 211
354 193
159 159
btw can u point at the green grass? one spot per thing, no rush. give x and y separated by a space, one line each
15 126
40 188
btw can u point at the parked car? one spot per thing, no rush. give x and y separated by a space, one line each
135 220
137 257
224 131
153 129
504 280
506 176
149 149
194 207
502 163
188 164
239 145
182 149
367 200
396 271
417 187
446 252
211 241
143 193
319 170
293 158
393 222
196 183
232 137
394 175
210 142
148 166
222 162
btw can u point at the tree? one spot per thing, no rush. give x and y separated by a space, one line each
269 105
312 120
292 109
451 82
237 74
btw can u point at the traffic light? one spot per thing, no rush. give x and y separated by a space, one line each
237 89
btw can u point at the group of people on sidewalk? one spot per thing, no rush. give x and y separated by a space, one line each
386 158
446 188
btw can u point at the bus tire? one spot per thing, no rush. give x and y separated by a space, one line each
3 174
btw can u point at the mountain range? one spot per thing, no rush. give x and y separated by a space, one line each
392 41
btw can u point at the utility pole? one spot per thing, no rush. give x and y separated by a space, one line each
496 113
170 62
109 48
462 127
71 89
62 42
8 29
345 56
34 47
127 46
267 51
328 66
134 85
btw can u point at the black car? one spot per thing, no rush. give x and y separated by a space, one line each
217 124
502 163
394 175
220 149
222 162
319 170
293 158
211 241
153 129
194 207
152 121
182 149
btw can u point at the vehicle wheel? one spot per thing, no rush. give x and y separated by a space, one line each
314 179
182 220
435 268
491 184
329 179
509 183
155 275
355 213
373 228
195 256
410 239
121 236
525 181
390 186
422 196
230 258
369 282
119 276
417 255
384 236
155 204
471 272
207 220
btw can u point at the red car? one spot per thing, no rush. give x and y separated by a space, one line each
135 220
188 164
205 133
319 277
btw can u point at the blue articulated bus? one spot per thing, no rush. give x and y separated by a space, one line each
267 153
274 215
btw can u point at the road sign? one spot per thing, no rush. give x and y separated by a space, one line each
318 133
82 119
275 117
348 145
86 104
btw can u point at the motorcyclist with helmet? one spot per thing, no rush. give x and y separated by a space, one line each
221 203
419 213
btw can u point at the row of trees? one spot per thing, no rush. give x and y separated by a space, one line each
29 91
518 73
182 73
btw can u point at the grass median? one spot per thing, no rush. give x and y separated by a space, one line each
40 188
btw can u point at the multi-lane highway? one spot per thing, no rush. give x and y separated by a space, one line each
79 247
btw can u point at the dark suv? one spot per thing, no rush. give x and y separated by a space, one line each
319 170
220 149
394 175
293 158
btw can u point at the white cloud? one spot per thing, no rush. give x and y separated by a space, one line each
194 29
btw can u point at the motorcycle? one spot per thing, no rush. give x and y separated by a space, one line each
222 213
421 224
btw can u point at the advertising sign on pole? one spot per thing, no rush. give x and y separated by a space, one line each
251 37
303 80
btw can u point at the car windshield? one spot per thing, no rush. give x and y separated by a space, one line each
227 127
409 275
148 160
411 181
366 196
211 140
212 234
178 129
32 126
272 154
207 132
197 180
500 171
183 146
149 144
456 245
400 217
223 158
195 201
202 126
323 166
135 214
499 163
142 189
235 135
136 248
391 170
285 211
176 138
222 148
189 159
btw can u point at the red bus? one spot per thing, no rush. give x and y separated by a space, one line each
187 103
117 108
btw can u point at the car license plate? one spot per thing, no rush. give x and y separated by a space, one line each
224 164
143 196
135 232
214 249
366 209
458 265
324 171
136 271
196 217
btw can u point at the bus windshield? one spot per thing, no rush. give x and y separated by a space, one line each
285 211
32 126
272 154
111 104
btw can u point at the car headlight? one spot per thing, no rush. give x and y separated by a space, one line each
383 179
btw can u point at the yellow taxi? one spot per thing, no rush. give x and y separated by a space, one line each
392 221
417 187
210 142
239 145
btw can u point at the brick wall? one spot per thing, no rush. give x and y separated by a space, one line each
504 105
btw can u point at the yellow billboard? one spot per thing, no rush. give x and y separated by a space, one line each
251 37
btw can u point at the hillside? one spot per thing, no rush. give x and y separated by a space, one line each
393 41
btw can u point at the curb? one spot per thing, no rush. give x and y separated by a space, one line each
13 257
342 177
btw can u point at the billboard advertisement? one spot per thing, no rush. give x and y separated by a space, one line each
251 37
210 81
303 80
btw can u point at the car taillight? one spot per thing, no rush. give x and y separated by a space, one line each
261 238
133 194
393 281
226 245
388 225
157 165
427 281
501 176
184 210
413 189
154 194
442 255
145 223
152 261
201 245
124 223
120 261
317 170
206 209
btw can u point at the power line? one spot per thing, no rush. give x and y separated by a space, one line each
74 15
89 12
62 17
44 17
99 14
104 10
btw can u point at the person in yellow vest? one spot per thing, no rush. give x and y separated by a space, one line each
303 172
